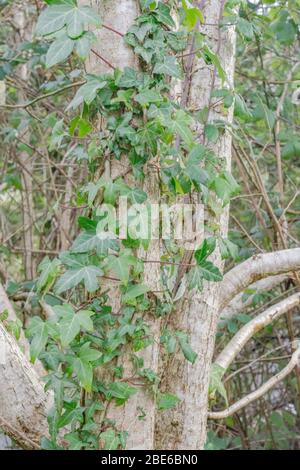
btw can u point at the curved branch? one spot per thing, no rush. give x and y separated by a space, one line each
259 392
256 268
238 305
239 340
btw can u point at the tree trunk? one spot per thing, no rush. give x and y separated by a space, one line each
184 427
120 15
23 402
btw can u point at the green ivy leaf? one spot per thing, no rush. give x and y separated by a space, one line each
75 441
167 401
206 249
84 372
88 354
134 292
59 50
87 92
128 79
86 274
210 272
186 349
245 28
121 392
228 249
48 273
111 439
216 384
38 331
71 323
121 265
52 19
168 67
91 240
163 15
192 15
56 17
148 96
181 124
210 56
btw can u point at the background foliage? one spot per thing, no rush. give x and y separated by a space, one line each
52 158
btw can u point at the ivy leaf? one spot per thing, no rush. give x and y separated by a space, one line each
137 196
38 331
168 67
192 15
84 318
49 271
88 15
70 415
120 266
195 278
181 124
148 96
134 292
70 324
84 372
83 45
228 249
53 19
86 93
56 17
82 126
75 441
210 56
206 249
88 354
128 79
186 349
59 51
121 391
111 439
167 401
211 133
72 277
245 28
90 240
210 272
69 327
163 15
216 384
75 24
193 169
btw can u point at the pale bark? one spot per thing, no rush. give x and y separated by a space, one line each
245 401
226 357
256 268
184 427
239 305
23 402
120 15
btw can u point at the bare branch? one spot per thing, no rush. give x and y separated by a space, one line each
259 392
238 304
256 268
239 340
